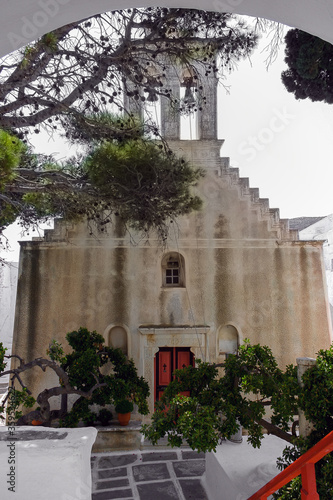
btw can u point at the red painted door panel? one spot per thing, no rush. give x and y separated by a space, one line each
165 367
183 359
169 359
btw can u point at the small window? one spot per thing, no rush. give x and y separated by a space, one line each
173 270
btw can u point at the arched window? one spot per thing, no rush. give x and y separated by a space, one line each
173 270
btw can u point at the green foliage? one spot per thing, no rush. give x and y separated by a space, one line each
317 396
316 400
56 352
251 382
50 42
70 78
134 178
219 403
104 416
3 363
83 368
11 150
146 182
79 412
124 406
16 401
79 373
324 469
310 67
100 126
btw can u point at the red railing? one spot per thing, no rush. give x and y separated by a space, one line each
304 465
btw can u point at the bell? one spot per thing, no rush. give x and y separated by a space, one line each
152 96
189 97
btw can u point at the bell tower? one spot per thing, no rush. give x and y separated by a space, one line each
194 98
195 89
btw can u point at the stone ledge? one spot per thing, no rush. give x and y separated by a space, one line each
236 471
117 438
45 463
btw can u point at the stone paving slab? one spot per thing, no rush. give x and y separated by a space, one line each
148 475
191 455
164 490
110 473
113 495
158 456
151 472
116 483
119 460
190 468
193 489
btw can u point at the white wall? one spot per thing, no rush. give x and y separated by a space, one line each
8 286
25 20
323 230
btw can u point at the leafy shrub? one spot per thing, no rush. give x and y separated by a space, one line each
124 406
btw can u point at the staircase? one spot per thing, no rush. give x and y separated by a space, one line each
304 466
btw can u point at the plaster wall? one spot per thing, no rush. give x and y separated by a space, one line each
8 286
24 21
323 231
242 268
45 463
237 471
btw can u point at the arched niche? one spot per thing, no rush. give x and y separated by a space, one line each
228 339
26 20
117 336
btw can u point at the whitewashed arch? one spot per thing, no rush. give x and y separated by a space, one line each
25 20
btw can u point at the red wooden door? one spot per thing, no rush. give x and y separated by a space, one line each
169 359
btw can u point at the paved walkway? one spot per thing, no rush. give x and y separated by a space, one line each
148 475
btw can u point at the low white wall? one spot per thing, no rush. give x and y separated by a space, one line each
236 471
40 463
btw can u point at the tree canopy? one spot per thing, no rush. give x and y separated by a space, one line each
252 392
94 372
139 180
87 66
310 67
72 80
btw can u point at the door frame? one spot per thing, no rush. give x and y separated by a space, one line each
154 337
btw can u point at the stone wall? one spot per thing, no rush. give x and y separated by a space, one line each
243 267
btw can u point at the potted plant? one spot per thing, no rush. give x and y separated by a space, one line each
124 409
104 416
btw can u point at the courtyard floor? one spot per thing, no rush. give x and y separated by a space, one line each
148 475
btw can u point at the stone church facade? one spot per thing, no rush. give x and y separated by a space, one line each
232 270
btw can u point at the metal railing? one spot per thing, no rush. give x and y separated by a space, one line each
304 465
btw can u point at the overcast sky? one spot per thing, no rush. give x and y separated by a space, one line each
284 146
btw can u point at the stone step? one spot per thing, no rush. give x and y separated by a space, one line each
116 437
161 443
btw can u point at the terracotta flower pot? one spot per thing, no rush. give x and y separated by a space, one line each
36 422
124 418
